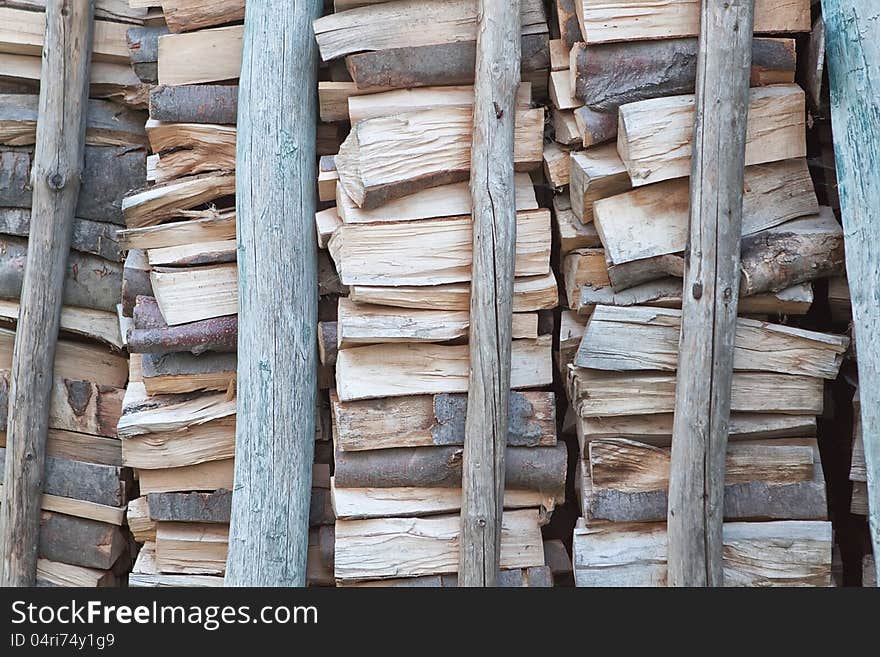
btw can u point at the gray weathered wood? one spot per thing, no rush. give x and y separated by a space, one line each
212 507
195 103
56 175
711 287
853 54
151 334
79 541
491 310
95 237
135 280
143 45
277 348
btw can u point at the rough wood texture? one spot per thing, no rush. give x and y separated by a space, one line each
434 143
212 507
491 312
277 350
79 541
595 174
435 420
709 301
151 334
192 294
854 73
143 44
632 20
213 55
198 103
188 15
780 553
179 373
407 547
654 136
607 76
153 205
394 370
58 162
191 148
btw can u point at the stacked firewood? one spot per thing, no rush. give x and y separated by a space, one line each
400 238
623 92
180 304
83 540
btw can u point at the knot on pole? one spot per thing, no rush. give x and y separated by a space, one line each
56 181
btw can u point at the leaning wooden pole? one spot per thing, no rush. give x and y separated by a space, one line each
278 295
711 284
491 306
55 179
853 55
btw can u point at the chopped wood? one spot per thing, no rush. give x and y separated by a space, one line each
561 91
145 573
80 447
151 334
95 324
435 144
112 515
779 553
218 226
94 237
565 128
429 252
143 46
211 475
143 528
212 55
559 55
198 103
178 373
188 15
191 548
435 420
838 299
190 148
580 268
595 173
54 573
556 165
394 370
569 230
405 547
135 280
191 294
79 541
203 253
155 204
213 507
595 127
633 20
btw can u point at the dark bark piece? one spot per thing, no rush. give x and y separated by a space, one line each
327 343
195 103
321 508
569 27
94 237
436 65
213 507
152 335
595 127
183 372
101 484
80 541
89 281
143 47
612 74
135 280
526 468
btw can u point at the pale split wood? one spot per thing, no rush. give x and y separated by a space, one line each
213 55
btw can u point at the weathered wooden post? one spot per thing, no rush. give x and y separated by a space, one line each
711 293
853 54
491 307
55 178
278 298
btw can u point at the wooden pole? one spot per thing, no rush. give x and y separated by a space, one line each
55 179
278 302
711 291
853 54
494 239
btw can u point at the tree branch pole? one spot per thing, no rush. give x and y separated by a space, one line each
854 74
711 293
278 299
491 305
55 179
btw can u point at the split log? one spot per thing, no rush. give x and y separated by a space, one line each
529 293
328 342
526 468
188 15
211 475
108 174
639 338
410 23
565 128
839 299
107 124
595 174
212 227
561 91
536 577
79 541
657 429
54 573
607 394
792 253
634 20
394 370
437 64
326 223
212 507
415 502
654 136
360 324
143 46
653 220
595 127
430 252
212 55
203 253
191 294
407 547
135 280
191 148
89 281
143 528
151 206
583 267
178 373
119 11
436 144
556 165
328 178
607 76
91 237
770 480
191 548
152 335
145 573
199 103
569 27
569 230
76 446
112 515
443 201
435 420
779 553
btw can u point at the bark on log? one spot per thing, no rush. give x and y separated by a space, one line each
569 27
143 46
179 373
135 280
151 335
92 237
213 507
609 75
526 468
595 127
58 165
195 103
79 541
